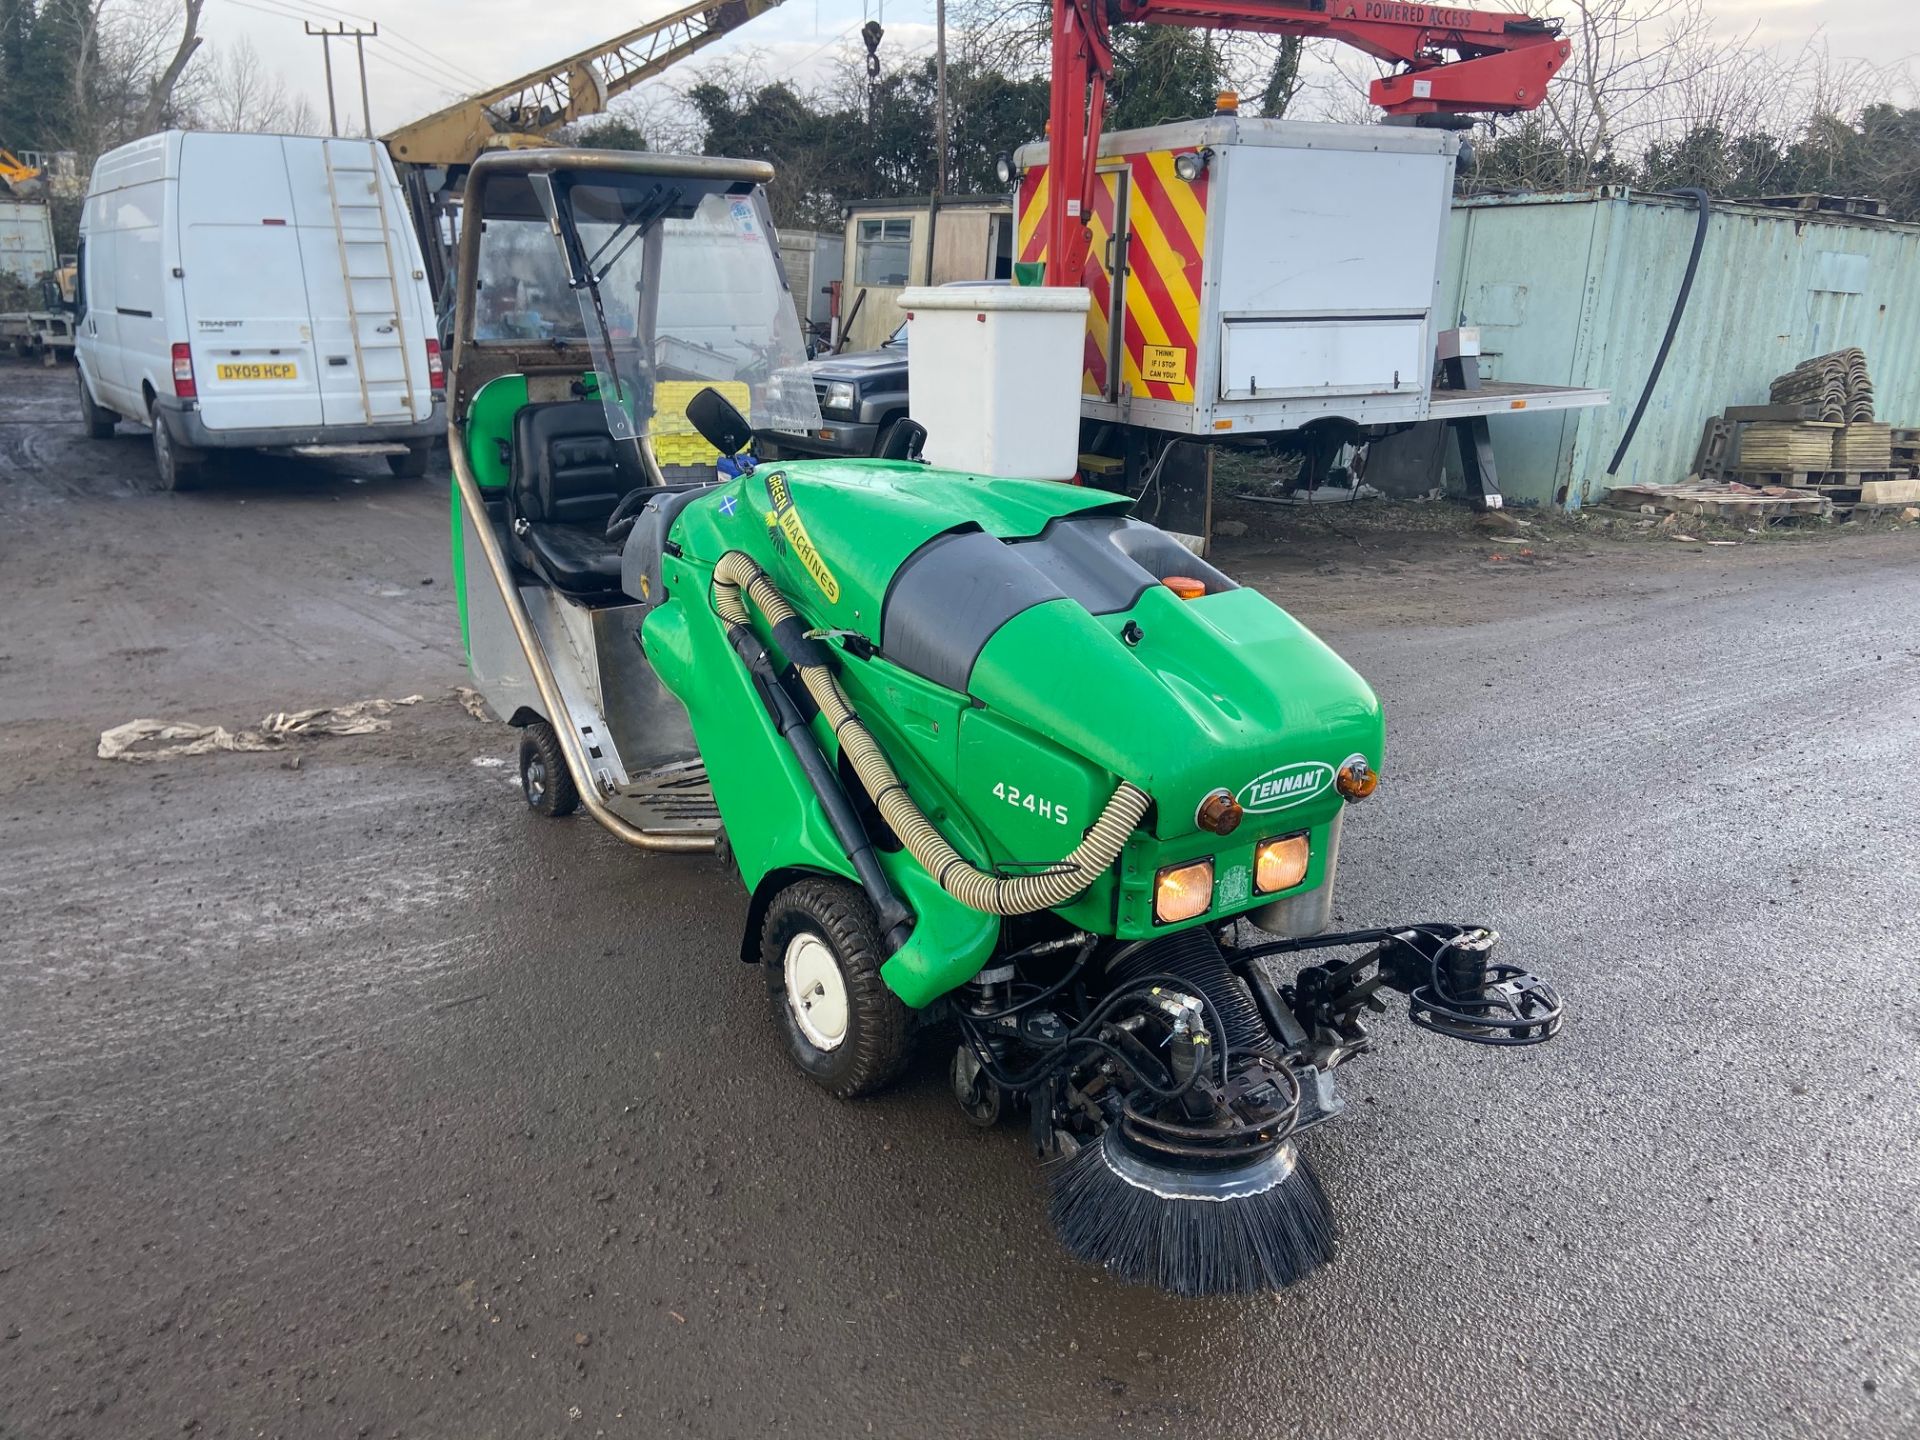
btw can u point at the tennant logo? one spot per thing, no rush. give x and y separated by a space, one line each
1285 787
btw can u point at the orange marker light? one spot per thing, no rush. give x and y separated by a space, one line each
1356 779
1219 813
1185 586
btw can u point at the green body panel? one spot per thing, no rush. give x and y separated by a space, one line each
773 823
1228 691
864 517
772 819
489 426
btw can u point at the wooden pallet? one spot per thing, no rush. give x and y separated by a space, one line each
1813 479
1723 502
1827 204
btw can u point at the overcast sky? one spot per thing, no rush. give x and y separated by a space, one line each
444 48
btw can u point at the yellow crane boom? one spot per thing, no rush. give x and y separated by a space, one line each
568 90
19 176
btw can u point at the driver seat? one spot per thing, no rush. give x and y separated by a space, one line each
568 474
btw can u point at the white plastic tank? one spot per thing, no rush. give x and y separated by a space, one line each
993 372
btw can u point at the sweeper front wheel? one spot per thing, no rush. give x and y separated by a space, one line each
821 948
544 777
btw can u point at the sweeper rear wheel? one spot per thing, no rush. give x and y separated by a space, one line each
544 777
822 951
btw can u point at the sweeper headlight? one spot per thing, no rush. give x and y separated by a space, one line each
1183 891
1280 863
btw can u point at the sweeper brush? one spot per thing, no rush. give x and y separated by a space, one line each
996 761
1258 1226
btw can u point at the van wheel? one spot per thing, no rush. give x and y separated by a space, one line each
98 420
821 949
544 777
176 471
413 464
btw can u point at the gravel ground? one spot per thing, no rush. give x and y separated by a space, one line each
352 1099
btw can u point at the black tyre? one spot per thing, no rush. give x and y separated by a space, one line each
821 949
98 420
544 777
413 464
176 469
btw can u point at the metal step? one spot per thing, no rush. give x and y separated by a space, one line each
673 796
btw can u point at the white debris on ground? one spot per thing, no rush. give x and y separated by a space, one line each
171 739
471 701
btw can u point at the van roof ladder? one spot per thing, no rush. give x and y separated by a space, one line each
368 273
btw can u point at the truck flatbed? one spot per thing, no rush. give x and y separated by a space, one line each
1499 397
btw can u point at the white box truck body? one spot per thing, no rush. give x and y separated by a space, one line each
257 291
26 240
1252 276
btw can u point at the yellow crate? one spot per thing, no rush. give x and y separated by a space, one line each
675 441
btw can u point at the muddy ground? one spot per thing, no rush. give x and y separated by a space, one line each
353 1099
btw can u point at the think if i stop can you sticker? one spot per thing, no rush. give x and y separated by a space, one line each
1165 364
787 521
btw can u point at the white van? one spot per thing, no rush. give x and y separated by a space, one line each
256 292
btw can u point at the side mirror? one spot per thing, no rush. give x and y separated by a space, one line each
719 424
904 440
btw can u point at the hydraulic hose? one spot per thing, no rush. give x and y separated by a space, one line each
736 575
1705 202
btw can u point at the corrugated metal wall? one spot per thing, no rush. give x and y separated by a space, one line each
1576 290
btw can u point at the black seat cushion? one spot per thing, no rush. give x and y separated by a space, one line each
576 559
568 474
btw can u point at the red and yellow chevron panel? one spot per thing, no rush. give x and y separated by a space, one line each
1166 222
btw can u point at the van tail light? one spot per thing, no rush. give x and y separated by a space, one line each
183 386
436 367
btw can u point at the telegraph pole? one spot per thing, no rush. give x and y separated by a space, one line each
359 38
940 94
326 57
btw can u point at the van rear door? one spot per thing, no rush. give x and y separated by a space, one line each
255 363
364 282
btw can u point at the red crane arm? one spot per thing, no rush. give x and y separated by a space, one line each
1456 61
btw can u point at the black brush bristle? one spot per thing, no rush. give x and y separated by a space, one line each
1192 1233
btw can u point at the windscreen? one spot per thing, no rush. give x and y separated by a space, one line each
680 287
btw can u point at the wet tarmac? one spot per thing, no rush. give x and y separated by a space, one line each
353 1099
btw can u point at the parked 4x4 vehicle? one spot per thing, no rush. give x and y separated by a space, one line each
862 396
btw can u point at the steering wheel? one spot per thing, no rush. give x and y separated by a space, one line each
628 510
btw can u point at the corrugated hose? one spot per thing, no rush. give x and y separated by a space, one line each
1059 883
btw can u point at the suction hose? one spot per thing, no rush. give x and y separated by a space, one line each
735 574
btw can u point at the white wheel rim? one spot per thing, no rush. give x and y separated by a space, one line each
816 991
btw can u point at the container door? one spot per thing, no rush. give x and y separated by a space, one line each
1166 221
253 356
1103 372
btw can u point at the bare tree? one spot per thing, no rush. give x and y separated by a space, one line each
238 93
160 94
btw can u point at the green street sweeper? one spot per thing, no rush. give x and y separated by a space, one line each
995 760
